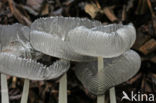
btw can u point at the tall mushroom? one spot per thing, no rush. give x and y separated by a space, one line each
103 42
48 35
18 58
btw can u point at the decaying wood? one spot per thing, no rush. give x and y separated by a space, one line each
141 7
97 3
109 13
134 79
153 59
18 15
141 39
45 10
135 11
14 80
35 4
124 13
153 15
148 47
94 9
91 9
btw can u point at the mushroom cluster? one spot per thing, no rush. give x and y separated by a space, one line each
70 39
18 58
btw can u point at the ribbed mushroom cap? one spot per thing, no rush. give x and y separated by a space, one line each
48 35
116 70
14 32
105 41
14 59
30 69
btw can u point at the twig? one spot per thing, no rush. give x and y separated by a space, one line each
109 13
97 3
91 9
148 47
131 81
124 13
150 8
14 82
153 15
18 15
142 7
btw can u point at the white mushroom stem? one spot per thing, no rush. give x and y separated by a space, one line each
25 93
100 99
63 89
112 95
4 89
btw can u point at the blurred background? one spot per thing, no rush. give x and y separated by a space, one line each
139 12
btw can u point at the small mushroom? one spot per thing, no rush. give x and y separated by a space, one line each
102 42
48 35
116 70
18 55
16 58
80 40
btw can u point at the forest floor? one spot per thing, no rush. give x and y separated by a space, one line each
139 12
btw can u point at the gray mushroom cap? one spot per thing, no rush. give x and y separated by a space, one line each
14 32
30 69
48 35
14 58
13 39
105 41
116 70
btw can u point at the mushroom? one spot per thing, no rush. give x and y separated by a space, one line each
18 58
80 40
102 42
48 35
115 71
54 31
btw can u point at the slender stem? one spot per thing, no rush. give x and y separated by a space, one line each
100 99
100 64
112 95
25 91
63 89
4 89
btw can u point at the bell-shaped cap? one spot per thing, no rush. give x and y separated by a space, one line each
30 69
116 70
105 41
48 35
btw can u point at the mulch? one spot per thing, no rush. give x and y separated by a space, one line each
139 12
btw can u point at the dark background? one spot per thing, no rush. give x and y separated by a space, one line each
139 12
